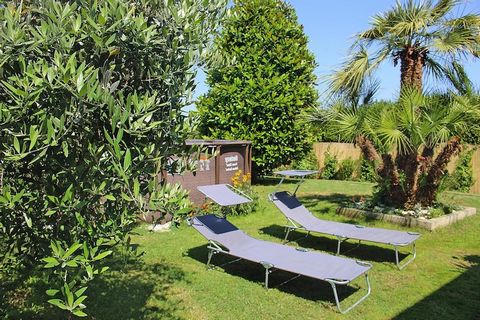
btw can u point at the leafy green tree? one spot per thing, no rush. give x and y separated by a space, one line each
419 35
262 80
400 139
90 113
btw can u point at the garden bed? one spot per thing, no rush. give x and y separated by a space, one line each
429 224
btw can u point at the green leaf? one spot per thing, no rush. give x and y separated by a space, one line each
110 197
52 292
79 313
65 148
16 144
58 303
136 188
102 255
33 137
127 161
28 220
80 82
51 262
68 294
80 291
71 250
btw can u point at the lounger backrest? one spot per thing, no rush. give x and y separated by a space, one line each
221 231
292 208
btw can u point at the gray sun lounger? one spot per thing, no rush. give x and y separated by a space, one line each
225 238
300 218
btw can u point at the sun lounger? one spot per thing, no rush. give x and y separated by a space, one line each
225 238
300 218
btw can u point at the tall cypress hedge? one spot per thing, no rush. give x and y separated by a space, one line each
262 80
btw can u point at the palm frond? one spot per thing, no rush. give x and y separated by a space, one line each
442 8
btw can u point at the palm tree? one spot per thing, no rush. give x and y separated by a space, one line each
421 36
400 139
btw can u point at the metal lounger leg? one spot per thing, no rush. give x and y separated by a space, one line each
340 240
211 252
268 266
397 260
333 284
289 229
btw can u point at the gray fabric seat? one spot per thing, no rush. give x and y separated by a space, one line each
226 238
300 217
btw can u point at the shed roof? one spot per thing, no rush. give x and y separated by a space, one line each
191 142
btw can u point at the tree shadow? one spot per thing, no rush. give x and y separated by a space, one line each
130 289
323 243
304 287
272 181
458 299
311 200
136 290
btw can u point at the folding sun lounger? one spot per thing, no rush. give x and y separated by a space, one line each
225 238
299 217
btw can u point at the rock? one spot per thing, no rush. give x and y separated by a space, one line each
160 227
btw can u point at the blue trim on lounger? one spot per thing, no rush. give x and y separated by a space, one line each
216 224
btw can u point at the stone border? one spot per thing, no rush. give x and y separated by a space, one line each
429 224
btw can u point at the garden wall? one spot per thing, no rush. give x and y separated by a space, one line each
344 151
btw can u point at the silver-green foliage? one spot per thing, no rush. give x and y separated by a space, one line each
90 111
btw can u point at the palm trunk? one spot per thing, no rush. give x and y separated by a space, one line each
426 159
428 192
411 68
368 149
389 173
411 180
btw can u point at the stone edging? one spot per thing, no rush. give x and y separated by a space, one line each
429 224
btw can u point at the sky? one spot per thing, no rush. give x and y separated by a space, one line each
330 27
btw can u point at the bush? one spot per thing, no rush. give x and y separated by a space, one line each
367 171
346 169
264 79
308 162
91 98
329 167
462 177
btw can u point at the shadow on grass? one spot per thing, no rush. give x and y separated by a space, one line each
318 242
458 299
272 181
304 287
134 290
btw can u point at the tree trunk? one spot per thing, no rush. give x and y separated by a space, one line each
368 149
426 159
412 60
411 180
428 192
388 171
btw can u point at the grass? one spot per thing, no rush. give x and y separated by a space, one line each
173 283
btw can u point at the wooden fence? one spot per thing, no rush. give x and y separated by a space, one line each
343 151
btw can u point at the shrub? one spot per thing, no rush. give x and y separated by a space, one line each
462 177
264 79
330 166
346 169
91 94
367 171
308 162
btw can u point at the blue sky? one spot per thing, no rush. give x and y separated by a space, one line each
330 27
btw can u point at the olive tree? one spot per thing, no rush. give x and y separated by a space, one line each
91 94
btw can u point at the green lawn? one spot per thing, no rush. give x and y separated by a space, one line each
442 283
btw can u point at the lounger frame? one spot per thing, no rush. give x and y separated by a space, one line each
215 248
293 226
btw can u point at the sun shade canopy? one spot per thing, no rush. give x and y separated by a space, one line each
223 195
